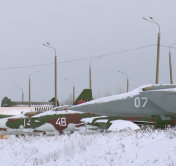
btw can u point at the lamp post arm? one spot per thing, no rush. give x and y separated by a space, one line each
154 22
50 46
171 45
123 73
33 73
70 81
94 60
18 87
22 92
47 46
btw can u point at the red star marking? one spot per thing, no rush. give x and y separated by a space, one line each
81 101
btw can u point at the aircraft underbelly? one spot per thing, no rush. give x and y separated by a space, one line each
46 127
16 131
70 127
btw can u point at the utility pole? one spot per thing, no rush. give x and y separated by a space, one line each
158 48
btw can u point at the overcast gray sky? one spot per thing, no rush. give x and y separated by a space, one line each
82 29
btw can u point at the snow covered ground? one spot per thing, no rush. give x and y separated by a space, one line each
142 147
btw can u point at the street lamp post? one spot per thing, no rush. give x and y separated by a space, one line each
48 45
127 78
22 92
73 89
170 64
90 78
30 88
158 48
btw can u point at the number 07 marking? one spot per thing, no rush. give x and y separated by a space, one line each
137 102
145 102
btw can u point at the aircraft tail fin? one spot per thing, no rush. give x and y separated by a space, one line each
86 95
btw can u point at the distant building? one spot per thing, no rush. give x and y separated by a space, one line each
39 106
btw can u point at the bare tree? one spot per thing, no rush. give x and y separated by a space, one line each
109 92
119 90
98 95
68 101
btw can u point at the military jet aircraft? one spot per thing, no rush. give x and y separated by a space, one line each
146 105
20 124
68 121
145 101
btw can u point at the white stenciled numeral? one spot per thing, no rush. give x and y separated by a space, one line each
28 123
145 102
137 102
61 121
58 121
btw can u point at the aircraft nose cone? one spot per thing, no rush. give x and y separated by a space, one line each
3 123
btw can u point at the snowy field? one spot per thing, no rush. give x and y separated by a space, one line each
142 147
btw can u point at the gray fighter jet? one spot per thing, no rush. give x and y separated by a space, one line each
146 101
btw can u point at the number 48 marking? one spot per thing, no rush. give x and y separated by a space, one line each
137 102
61 121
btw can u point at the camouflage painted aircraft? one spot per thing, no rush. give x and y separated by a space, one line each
131 106
146 105
20 124
68 121
64 121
